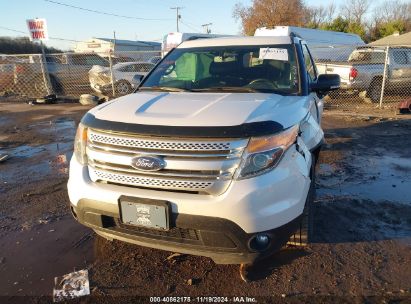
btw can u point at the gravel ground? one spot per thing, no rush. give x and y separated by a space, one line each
362 214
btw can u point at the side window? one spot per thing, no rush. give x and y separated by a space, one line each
132 68
146 68
123 68
309 64
78 60
139 67
400 57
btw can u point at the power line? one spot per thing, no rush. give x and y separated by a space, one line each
25 33
57 38
189 26
193 26
105 13
12 30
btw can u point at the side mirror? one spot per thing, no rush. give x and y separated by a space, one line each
326 83
137 79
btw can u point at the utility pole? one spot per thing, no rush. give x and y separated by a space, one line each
206 27
177 8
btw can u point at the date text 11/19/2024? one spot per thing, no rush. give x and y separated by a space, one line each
203 299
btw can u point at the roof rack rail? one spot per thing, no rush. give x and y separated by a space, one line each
197 37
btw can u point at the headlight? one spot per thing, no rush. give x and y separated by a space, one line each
80 143
263 153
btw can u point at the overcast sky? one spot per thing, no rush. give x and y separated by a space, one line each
70 23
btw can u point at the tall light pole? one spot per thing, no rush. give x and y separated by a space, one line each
177 8
206 27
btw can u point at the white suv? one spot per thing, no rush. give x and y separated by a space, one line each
213 155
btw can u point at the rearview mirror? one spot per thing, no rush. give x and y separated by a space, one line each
137 79
326 83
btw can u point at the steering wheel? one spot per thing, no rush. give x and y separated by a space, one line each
262 83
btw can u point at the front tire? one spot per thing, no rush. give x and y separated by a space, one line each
304 235
374 91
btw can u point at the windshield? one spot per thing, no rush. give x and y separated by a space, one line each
267 68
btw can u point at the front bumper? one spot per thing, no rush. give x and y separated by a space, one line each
102 88
356 85
216 238
224 224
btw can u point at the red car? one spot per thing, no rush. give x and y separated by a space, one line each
6 76
405 106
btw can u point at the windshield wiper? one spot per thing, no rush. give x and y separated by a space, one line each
165 89
227 89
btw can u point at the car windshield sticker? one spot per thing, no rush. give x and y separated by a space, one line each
273 54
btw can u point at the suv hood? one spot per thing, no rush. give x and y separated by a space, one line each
203 109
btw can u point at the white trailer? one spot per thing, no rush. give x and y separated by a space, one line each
173 39
324 45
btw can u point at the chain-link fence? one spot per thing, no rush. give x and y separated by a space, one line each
73 74
370 75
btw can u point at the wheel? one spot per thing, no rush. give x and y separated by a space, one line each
123 87
245 272
374 91
261 83
303 235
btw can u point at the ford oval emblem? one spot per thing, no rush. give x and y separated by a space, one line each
148 163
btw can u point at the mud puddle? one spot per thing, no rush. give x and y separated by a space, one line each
364 198
34 257
377 178
35 162
40 161
62 128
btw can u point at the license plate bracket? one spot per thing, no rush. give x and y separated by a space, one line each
147 213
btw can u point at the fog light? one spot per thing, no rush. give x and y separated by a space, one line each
262 239
260 242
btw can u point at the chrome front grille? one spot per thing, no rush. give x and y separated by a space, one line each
203 166
160 144
151 181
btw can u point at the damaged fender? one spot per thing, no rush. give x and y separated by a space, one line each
304 158
311 133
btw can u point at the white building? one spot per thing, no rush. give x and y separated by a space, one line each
105 45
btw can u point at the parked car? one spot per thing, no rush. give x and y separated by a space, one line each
68 73
365 69
100 77
214 155
7 69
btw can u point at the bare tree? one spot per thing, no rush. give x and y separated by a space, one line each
355 10
269 13
319 15
393 10
389 17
